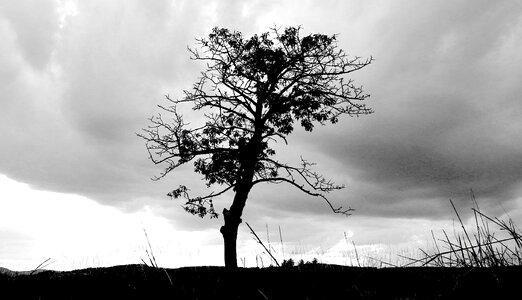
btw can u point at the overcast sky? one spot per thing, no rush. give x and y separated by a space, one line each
78 79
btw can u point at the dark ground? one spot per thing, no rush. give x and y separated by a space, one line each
304 282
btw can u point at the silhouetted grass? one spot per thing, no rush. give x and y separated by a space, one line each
478 247
489 242
152 259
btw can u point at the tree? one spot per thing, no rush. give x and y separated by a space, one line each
252 92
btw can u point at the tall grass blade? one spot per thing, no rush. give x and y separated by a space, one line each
261 243
40 266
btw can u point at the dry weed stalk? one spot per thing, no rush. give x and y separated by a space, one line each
481 248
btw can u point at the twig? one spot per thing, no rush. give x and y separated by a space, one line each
152 259
356 254
40 265
261 242
281 238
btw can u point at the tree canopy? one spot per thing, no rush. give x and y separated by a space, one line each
252 94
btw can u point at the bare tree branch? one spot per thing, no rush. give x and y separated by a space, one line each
252 93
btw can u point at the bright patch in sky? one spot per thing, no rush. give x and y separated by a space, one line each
66 9
76 232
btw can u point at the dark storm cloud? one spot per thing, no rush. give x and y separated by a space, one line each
447 119
445 87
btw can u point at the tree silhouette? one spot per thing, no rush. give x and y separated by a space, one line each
252 92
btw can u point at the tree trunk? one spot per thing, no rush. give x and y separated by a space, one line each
229 232
232 220
233 216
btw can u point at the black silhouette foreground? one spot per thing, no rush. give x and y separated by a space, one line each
305 282
251 94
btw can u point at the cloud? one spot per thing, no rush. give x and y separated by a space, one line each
445 118
34 32
444 85
70 109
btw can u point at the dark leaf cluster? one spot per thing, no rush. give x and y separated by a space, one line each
252 93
